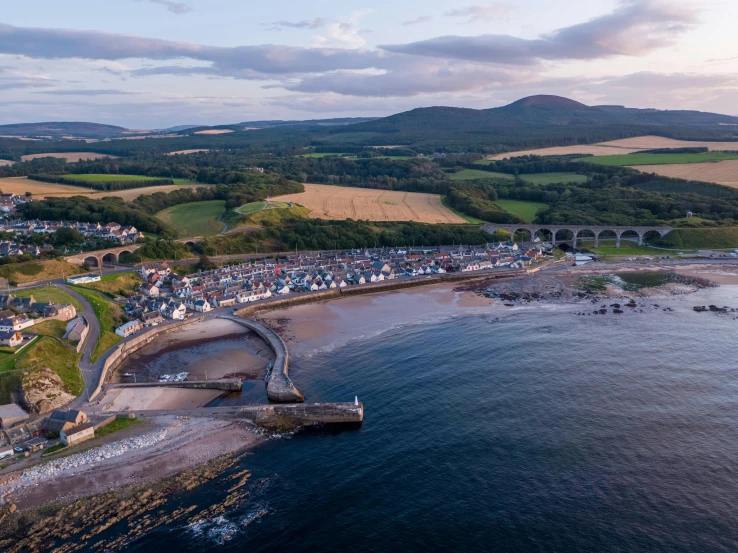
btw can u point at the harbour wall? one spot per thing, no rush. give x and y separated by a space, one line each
225 384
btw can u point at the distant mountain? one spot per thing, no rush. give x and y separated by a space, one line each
61 129
179 128
276 123
538 111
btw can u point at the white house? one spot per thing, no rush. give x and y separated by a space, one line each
126 329
202 306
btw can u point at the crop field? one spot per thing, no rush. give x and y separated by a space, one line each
214 131
71 157
660 159
323 154
535 178
4 162
622 146
21 185
722 172
525 210
194 219
339 202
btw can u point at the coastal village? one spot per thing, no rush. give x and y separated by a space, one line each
168 295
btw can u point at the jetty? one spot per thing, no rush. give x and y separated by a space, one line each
225 384
280 388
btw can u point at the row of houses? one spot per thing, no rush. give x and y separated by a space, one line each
20 313
111 231
167 295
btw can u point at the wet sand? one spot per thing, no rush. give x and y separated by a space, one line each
146 399
335 322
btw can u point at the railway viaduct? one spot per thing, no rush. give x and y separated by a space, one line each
99 257
578 230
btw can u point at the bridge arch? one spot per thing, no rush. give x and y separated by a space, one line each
110 257
92 261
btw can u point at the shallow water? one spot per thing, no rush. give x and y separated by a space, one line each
536 431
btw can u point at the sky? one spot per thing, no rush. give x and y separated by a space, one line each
148 64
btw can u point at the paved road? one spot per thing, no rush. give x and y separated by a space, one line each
90 371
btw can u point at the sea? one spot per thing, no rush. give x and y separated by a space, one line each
532 429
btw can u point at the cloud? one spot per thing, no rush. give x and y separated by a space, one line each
175 7
418 20
316 23
481 12
635 28
344 33
87 92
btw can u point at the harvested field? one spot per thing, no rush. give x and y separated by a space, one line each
214 131
622 146
4 162
185 152
339 202
71 157
721 172
21 185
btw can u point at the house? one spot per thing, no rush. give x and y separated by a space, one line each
77 435
19 322
83 279
35 444
161 268
6 451
76 330
64 420
11 414
129 328
10 338
149 290
202 306
152 318
228 300
24 305
60 312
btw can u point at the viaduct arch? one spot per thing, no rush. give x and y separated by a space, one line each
575 230
98 257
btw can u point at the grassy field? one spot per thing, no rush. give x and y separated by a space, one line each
324 154
705 238
607 248
658 159
57 356
110 316
469 174
33 271
194 219
246 209
525 210
121 284
52 327
50 294
115 426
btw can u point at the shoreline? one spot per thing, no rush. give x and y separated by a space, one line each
312 328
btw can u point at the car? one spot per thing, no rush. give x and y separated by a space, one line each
18 449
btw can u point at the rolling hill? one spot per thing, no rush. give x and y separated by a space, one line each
62 128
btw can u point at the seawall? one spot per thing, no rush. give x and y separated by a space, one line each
226 384
280 387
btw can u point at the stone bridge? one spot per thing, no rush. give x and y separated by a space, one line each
576 230
98 257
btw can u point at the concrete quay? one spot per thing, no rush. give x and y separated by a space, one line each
225 384
280 388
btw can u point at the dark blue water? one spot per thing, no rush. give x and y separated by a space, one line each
541 431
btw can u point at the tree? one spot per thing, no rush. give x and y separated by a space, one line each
66 236
205 264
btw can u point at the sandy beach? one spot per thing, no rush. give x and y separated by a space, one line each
145 399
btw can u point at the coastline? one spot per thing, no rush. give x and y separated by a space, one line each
310 328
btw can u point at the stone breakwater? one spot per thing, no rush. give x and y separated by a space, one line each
54 468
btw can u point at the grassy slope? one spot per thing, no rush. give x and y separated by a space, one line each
109 178
60 358
245 209
109 314
525 210
658 159
194 219
49 294
690 239
33 271
52 327
121 284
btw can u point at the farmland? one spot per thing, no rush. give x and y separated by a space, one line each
525 210
338 202
723 172
186 152
469 174
660 159
71 157
21 185
194 219
623 146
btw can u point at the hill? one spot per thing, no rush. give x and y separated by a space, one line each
60 129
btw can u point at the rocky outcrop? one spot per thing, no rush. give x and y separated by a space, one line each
44 391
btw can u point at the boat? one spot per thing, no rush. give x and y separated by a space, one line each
128 374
